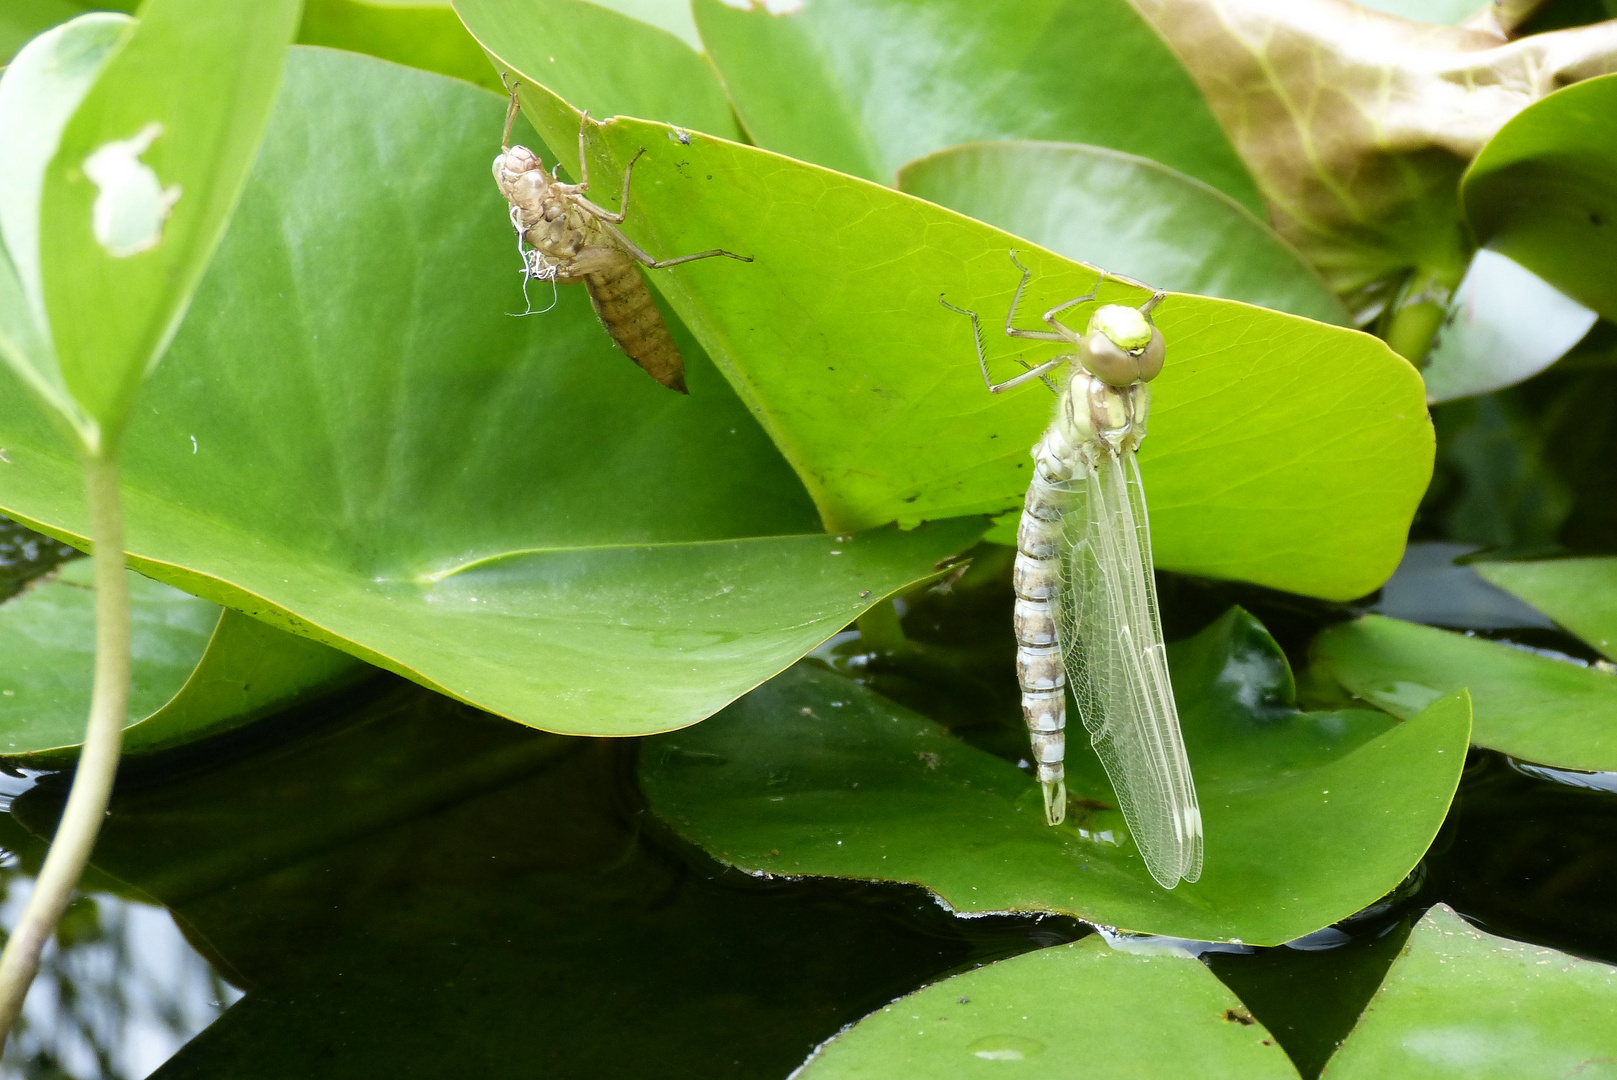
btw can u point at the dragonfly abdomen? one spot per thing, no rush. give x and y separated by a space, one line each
1039 665
622 300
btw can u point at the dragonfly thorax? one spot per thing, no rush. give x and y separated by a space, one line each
1090 411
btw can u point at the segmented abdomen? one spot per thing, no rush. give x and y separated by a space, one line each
1037 580
622 300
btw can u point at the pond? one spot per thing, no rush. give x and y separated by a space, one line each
387 882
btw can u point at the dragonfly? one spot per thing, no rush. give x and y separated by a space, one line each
1086 612
564 237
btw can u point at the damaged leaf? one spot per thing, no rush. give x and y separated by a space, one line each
1358 124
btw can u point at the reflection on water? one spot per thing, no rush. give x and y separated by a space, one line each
119 992
25 555
404 886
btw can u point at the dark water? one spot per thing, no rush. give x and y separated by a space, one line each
25 555
401 886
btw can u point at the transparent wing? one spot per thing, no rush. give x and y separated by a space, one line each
1111 640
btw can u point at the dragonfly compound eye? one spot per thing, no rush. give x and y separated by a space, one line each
1151 359
1121 346
1104 360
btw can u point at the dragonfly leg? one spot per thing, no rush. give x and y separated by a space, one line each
644 258
601 212
1010 316
583 158
1156 298
1039 372
510 112
663 264
1050 316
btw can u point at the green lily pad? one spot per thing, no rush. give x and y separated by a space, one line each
1464 1004
601 60
426 34
1540 191
1074 1011
1528 706
198 669
1283 451
353 441
1309 816
1580 594
1129 214
865 87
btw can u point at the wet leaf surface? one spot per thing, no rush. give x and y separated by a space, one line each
503 509
1538 708
1541 190
1309 816
1079 1010
865 87
1127 214
1462 1003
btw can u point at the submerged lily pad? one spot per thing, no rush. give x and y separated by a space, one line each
1464 1004
351 439
1529 706
1071 1012
1282 451
1128 214
198 669
1309 816
1580 594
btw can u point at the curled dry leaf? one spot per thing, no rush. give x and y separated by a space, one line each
1358 124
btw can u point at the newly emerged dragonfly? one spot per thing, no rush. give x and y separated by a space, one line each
563 237
1086 603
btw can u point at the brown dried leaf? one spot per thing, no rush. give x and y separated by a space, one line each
1358 124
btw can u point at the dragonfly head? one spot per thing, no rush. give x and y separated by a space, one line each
521 177
1121 347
